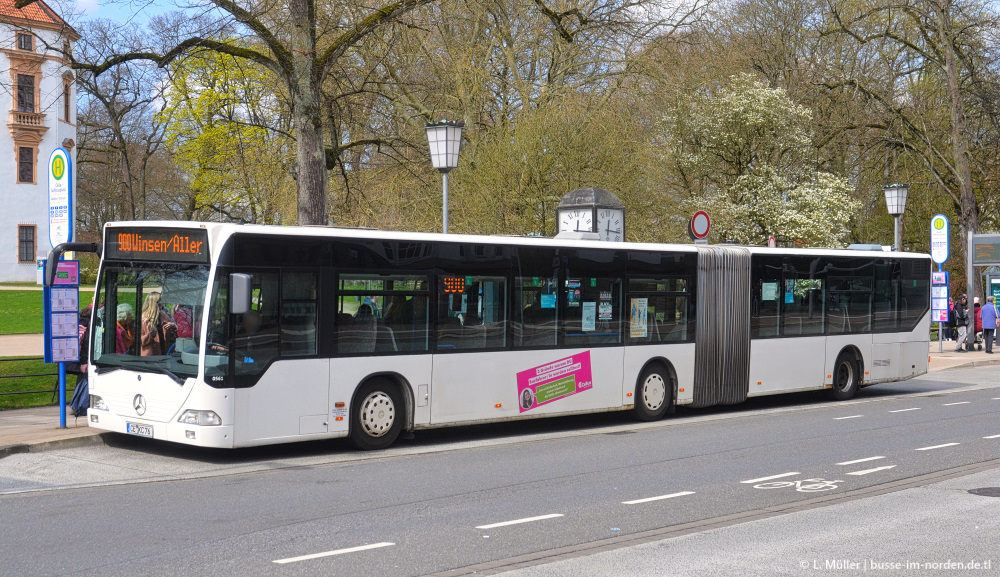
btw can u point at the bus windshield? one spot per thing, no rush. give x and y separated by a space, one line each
148 318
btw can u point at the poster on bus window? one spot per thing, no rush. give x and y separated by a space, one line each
553 381
637 326
589 320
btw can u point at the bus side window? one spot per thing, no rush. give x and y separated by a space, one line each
382 313
471 312
665 301
298 313
533 323
593 311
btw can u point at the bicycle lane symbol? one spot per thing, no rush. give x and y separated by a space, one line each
802 485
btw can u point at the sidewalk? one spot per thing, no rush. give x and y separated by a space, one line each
22 345
37 429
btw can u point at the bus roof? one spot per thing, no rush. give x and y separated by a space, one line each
219 232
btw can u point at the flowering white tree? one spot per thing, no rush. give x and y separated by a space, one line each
744 153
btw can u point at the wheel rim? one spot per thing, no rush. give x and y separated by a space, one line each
654 392
845 376
378 413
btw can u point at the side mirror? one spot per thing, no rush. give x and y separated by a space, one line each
241 287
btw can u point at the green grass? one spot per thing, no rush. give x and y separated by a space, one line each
29 366
21 311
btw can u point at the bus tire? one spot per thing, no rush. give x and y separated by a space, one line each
653 393
846 377
377 415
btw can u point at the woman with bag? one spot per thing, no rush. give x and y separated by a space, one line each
158 331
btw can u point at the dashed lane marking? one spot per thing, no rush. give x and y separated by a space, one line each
992 437
938 446
851 417
771 477
904 410
855 461
866 471
959 403
331 553
519 521
661 497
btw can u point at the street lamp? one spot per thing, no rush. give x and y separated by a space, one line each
445 140
895 202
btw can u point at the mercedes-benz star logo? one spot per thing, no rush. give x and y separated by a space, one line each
139 404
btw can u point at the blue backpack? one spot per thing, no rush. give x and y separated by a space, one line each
81 397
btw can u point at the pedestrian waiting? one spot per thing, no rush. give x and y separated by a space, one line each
989 316
962 323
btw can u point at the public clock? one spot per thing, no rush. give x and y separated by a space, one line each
611 224
576 220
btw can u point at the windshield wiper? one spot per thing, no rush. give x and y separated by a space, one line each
150 364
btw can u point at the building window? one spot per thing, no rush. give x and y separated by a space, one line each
25 93
26 243
66 110
24 42
25 164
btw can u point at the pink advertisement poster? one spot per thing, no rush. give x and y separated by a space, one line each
554 381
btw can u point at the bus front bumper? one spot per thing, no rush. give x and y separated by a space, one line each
220 436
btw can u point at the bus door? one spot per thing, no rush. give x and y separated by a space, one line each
282 386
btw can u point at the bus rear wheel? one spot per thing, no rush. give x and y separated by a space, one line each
376 418
846 377
653 394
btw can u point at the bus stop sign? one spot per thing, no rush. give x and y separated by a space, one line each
939 238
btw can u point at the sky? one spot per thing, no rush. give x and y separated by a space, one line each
122 11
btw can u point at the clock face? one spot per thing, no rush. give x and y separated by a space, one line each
576 220
611 224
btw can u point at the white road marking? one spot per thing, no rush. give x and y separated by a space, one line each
860 460
866 471
851 417
959 403
771 477
661 497
518 521
938 446
337 552
992 437
904 410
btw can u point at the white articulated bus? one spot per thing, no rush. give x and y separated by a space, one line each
267 334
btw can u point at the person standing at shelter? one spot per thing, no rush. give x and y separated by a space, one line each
949 334
989 316
961 322
978 321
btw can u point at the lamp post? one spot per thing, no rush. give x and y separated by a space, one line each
445 140
895 202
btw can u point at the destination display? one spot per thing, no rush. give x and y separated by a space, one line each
985 249
169 245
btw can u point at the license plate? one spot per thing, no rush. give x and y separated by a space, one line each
141 430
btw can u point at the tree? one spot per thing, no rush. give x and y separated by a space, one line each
119 132
230 132
935 49
744 153
300 44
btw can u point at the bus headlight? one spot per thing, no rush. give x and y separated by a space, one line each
96 402
202 418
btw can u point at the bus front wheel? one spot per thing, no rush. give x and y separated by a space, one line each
846 377
377 418
653 393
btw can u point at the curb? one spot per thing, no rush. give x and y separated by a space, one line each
969 365
70 443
